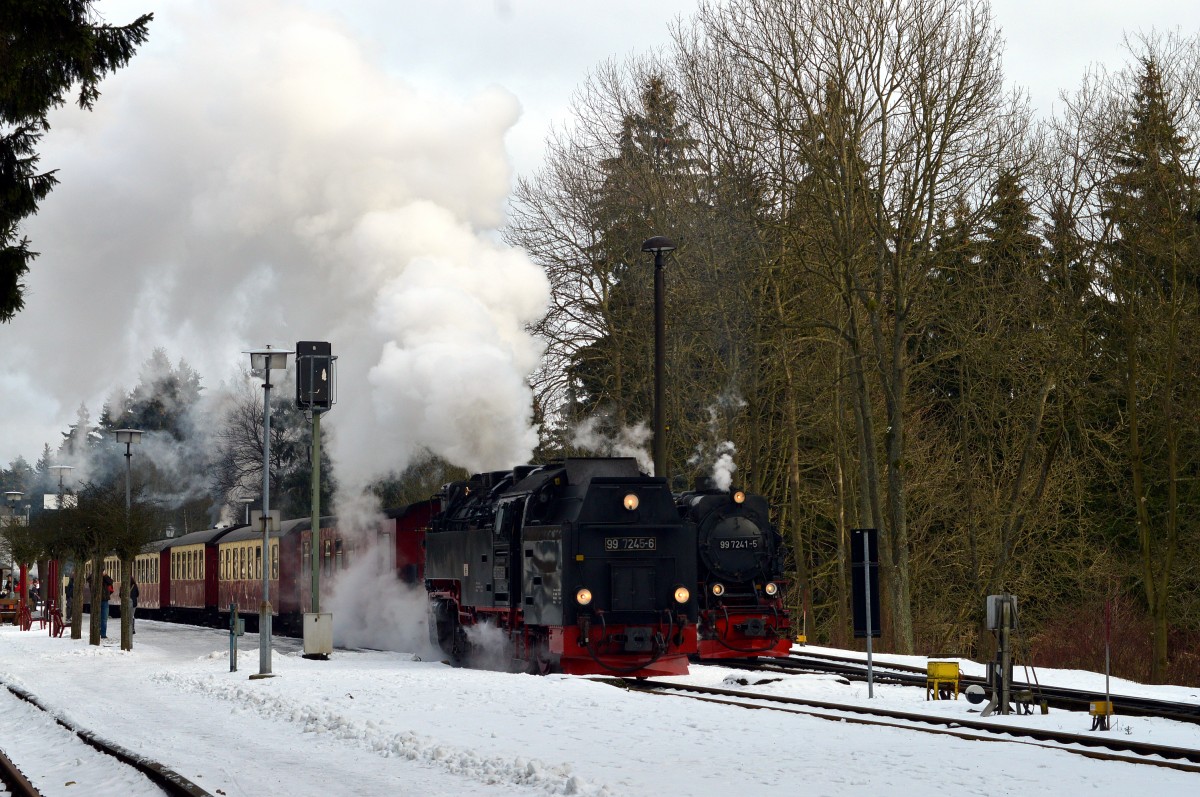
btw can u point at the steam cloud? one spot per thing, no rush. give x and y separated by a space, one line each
264 180
256 175
626 442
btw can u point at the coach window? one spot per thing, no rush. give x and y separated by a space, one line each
337 547
275 561
257 562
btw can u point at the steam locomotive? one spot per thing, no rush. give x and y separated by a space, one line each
740 564
585 564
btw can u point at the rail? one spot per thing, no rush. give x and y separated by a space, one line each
1099 746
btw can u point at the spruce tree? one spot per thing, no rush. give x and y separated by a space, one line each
1153 261
47 47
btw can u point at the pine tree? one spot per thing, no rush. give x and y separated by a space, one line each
47 47
1153 262
649 175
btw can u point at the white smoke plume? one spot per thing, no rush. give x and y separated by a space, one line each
626 442
719 454
206 212
724 467
258 174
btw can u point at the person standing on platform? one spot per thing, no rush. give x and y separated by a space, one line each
70 595
106 591
133 598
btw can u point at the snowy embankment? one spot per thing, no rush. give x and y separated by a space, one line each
383 723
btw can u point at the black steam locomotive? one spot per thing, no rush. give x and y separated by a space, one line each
585 565
740 564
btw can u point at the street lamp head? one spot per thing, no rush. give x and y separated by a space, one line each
12 497
268 358
128 435
658 244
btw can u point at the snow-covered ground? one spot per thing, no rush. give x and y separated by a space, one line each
384 723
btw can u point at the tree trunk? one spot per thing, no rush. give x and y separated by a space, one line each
126 605
97 588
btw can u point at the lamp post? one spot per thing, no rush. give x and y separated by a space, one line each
52 564
246 501
659 245
266 359
128 437
62 469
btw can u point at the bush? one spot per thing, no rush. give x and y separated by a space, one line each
1074 639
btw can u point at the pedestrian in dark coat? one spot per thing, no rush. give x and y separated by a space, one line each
106 591
133 599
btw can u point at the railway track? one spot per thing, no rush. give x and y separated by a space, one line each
907 675
52 756
1098 746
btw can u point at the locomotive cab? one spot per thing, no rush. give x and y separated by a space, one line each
586 564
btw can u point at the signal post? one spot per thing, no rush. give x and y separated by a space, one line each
316 388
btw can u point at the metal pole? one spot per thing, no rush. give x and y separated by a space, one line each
316 510
124 576
128 465
1006 656
867 607
660 325
264 608
1107 662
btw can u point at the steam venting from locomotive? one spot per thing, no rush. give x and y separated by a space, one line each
592 436
722 468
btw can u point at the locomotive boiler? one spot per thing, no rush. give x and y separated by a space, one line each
585 565
739 580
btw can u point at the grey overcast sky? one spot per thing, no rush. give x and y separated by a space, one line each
270 171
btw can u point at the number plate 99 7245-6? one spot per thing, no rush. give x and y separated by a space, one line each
630 543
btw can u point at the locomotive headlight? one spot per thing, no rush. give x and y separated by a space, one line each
739 497
682 594
771 588
583 597
718 589
631 501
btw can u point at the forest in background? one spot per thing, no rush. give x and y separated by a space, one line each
902 302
